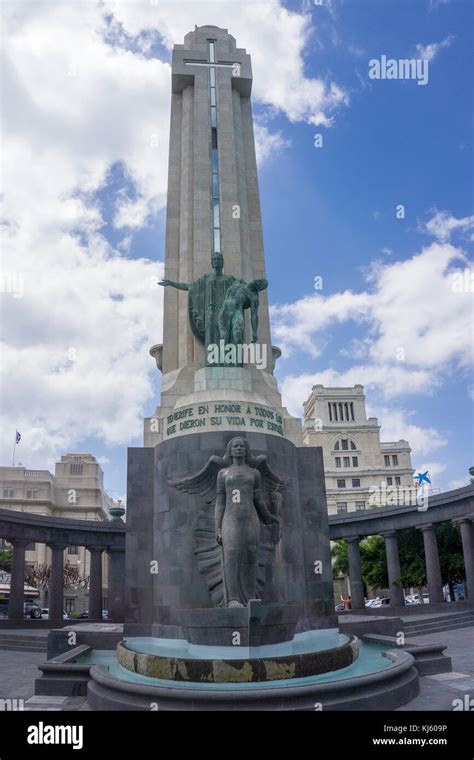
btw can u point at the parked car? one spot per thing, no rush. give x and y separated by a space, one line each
379 602
32 610
339 607
416 599
45 614
85 615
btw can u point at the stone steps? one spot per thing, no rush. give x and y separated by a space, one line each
439 623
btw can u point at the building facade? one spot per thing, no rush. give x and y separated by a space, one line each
76 490
361 470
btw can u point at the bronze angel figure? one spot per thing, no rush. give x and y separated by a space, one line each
229 545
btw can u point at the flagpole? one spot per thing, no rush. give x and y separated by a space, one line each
14 447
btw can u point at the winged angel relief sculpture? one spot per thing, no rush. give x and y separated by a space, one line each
232 546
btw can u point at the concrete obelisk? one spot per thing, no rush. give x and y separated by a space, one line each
225 507
213 208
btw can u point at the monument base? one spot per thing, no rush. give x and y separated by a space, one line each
174 581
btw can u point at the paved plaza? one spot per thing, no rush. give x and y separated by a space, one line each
18 671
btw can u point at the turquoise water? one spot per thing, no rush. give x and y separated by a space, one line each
370 660
309 641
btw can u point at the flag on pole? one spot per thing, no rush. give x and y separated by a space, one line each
18 437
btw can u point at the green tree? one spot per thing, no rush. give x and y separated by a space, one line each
451 556
340 553
373 562
6 556
412 557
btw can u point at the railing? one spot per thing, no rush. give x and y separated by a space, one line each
36 473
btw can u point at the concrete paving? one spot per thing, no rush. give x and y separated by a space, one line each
18 671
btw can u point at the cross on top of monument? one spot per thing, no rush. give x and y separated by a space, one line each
211 47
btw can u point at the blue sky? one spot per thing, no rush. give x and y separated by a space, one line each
327 212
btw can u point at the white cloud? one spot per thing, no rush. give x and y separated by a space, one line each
295 325
442 225
415 319
390 382
268 144
274 36
396 424
430 51
80 96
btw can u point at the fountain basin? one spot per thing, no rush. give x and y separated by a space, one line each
310 653
380 679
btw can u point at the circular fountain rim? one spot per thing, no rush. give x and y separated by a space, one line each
382 689
244 669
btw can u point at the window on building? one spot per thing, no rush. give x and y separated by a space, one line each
341 483
386 459
355 461
8 493
347 461
330 412
395 460
32 493
389 481
76 468
351 406
338 461
355 482
70 605
398 481
341 507
360 506
72 550
336 446
345 444
353 446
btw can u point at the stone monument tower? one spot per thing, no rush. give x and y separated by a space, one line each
214 241
226 521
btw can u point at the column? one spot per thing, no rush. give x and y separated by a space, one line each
56 589
395 591
468 552
433 570
95 585
116 584
355 574
17 582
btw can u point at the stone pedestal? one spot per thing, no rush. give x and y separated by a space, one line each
165 578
